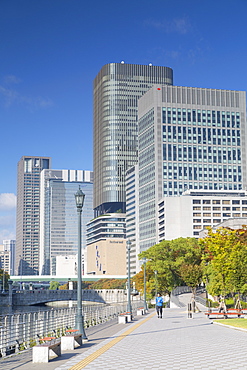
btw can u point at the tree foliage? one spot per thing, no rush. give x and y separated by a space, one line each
54 285
105 284
171 259
5 278
225 259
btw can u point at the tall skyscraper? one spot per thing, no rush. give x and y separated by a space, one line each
189 138
58 215
117 88
28 213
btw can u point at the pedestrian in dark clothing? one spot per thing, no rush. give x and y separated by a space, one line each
159 305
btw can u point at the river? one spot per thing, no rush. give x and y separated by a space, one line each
24 309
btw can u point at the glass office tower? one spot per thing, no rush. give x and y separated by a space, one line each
58 213
117 88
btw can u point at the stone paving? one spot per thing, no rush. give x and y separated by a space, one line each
173 342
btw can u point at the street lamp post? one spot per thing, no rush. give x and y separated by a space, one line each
155 273
129 308
144 283
79 322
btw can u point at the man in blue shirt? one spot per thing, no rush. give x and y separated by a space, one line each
159 305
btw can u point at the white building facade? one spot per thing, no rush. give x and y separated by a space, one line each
187 215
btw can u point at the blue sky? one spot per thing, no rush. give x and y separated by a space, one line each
51 50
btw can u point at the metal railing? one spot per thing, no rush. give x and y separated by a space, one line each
22 331
181 290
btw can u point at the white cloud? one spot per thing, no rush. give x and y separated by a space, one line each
6 234
176 25
11 96
11 79
7 225
7 201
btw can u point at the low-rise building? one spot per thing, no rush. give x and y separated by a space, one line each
106 245
194 210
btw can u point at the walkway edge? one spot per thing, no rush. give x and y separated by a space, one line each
230 326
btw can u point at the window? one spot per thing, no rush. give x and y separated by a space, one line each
216 202
196 220
225 201
195 201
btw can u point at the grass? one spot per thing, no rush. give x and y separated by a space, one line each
237 323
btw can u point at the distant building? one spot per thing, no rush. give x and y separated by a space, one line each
107 257
188 214
9 246
58 215
232 223
5 257
28 214
66 265
106 245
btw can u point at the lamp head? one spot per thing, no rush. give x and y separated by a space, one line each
79 199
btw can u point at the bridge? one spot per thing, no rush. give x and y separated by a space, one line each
37 297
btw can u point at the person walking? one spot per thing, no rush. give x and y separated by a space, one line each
159 305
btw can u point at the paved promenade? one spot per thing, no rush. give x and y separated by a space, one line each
173 342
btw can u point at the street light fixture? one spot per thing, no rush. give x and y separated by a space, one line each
79 322
129 308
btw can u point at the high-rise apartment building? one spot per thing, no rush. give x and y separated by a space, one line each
9 246
28 214
117 88
58 215
189 138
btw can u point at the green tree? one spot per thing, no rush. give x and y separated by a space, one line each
225 260
54 285
4 277
170 259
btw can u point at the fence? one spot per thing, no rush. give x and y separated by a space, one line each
22 331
